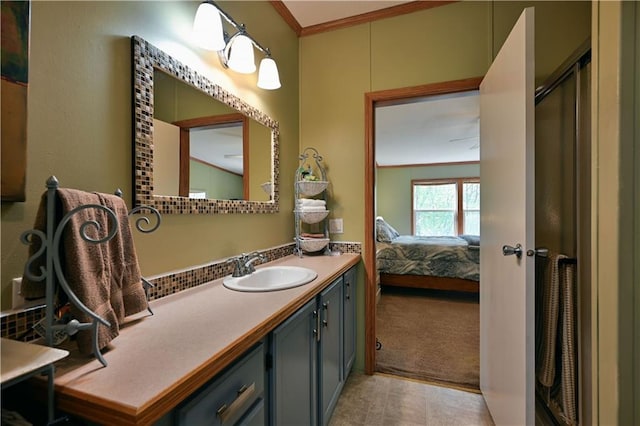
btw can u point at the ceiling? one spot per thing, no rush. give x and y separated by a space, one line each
438 129
313 12
226 153
432 130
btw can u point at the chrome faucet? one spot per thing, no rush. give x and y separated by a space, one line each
250 259
243 264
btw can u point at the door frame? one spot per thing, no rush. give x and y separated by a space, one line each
389 96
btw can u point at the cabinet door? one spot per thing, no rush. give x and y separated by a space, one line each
330 349
349 319
295 359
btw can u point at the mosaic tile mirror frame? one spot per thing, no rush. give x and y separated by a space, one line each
145 59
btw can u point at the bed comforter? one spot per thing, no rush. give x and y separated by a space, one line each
451 257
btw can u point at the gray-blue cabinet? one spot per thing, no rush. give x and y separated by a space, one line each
331 348
236 397
293 389
307 362
312 354
293 379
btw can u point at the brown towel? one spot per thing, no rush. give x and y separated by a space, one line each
308 235
557 366
568 347
105 276
551 307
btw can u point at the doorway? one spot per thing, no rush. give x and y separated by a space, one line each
371 100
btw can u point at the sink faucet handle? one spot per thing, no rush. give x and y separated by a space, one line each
238 268
250 259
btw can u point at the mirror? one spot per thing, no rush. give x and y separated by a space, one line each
198 149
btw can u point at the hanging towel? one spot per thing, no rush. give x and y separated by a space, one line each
104 276
551 307
557 370
567 397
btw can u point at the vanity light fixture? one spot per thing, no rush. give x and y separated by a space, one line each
235 51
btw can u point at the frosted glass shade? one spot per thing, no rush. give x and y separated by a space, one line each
241 55
268 77
207 27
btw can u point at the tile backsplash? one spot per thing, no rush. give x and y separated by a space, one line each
18 324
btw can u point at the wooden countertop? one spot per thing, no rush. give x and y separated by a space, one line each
158 361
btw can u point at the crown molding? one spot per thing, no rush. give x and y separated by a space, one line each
388 12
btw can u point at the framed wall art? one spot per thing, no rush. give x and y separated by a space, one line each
14 51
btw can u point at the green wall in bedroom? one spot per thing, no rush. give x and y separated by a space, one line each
393 189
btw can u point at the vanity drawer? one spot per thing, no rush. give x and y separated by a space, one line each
235 397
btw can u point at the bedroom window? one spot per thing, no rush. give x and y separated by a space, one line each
446 207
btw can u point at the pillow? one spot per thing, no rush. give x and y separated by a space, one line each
472 240
385 232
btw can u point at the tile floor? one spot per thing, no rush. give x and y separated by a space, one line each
391 401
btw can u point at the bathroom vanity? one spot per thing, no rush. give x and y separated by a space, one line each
223 355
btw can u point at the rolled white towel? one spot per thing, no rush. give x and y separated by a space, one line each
312 209
311 202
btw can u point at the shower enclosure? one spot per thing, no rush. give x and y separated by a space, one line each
563 182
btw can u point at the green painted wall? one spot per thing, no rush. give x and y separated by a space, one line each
260 161
616 191
79 121
216 182
393 189
174 100
445 43
561 26
441 44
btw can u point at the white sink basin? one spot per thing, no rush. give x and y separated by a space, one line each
271 278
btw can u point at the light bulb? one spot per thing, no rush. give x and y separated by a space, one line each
268 77
241 55
207 27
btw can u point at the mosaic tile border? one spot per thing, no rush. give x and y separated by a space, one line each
18 325
175 282
146 57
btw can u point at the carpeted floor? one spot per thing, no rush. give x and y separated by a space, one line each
429 335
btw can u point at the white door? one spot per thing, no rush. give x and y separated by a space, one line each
507 218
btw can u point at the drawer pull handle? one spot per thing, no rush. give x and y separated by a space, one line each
244 394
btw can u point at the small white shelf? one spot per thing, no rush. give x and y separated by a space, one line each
21 359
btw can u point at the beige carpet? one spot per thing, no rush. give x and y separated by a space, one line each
429 335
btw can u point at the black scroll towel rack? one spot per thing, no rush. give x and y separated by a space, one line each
51 270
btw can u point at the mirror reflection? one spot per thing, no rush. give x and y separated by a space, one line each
209 145
209 151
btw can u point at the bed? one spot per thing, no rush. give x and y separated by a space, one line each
442 263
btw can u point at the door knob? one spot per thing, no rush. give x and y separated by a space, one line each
509 250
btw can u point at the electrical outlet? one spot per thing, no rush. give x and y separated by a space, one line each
336 226
19 302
